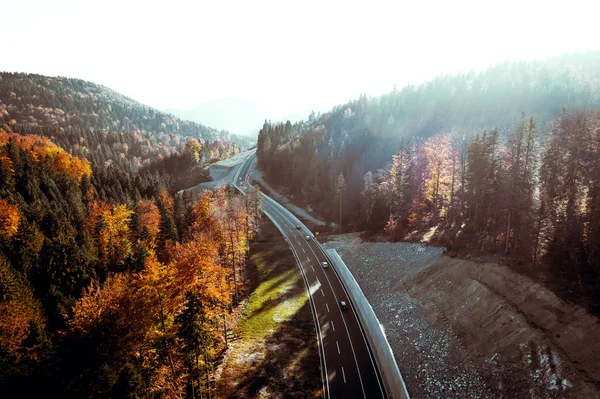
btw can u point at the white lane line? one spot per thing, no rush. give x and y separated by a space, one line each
277 210
338 346
332 326
313 269
361 330
343 374
322 293
327 308
304 251
344 321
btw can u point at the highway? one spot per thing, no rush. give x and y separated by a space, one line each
347 365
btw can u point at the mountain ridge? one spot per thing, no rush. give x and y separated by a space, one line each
78 96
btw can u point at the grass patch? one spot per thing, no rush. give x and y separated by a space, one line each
276 299
274 353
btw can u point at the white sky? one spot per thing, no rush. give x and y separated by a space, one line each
289 55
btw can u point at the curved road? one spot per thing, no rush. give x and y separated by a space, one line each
347 365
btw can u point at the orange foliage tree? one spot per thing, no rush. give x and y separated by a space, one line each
143 306
44 150
10 217
148 221
18 309
166 200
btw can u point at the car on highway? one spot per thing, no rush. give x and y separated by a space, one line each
343 305
307 238
297 227
325 265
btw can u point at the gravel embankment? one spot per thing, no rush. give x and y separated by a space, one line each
461 329
430 359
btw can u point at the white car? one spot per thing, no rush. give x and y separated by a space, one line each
307 238
325 265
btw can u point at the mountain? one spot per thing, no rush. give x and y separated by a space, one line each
95 121
506 161
233 114
244 117
362 135
94 233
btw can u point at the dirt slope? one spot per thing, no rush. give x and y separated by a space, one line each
471 330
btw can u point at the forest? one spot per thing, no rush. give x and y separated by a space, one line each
111 283
102 125
102 297
113 132
502 162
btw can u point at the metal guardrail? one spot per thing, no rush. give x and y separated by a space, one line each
388 368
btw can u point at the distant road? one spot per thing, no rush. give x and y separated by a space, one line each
349 370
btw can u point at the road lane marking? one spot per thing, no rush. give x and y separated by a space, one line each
327 308
338 346
343 374
276 209
344 321
313 269
322 293
332 326
361 330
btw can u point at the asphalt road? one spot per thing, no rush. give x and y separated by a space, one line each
346 361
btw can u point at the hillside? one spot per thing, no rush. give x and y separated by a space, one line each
503 162
100 124
362 135
109 286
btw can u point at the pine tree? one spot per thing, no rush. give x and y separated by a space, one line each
197 340
340 189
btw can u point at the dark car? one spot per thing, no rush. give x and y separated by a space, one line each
298 226
343 305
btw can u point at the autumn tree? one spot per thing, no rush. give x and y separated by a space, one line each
148 222
113 236
20 312
194 149
167 226
10 217
438 153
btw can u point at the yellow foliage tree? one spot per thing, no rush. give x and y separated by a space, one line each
113 236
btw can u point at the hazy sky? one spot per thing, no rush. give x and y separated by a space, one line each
288 55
